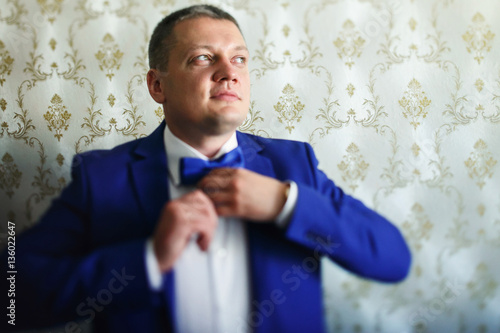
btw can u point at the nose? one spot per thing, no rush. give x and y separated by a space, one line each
226 71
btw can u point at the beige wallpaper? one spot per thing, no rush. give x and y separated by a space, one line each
400 99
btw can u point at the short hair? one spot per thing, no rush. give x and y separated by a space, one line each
162 39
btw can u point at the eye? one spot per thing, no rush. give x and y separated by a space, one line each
240 60
202 58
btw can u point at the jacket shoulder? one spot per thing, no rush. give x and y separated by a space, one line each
117 154
275 146
123 153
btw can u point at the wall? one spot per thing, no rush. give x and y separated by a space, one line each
400 99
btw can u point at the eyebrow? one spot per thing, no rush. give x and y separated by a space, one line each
209 47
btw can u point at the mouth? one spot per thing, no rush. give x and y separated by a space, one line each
225 95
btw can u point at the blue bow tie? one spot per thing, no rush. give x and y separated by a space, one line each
192 170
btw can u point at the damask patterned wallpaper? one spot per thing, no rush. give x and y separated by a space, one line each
400 99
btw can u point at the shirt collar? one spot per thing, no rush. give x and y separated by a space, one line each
177 149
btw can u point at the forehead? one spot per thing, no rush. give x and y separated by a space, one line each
207 31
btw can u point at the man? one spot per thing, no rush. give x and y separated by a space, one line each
141 241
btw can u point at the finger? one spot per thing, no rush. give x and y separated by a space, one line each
195 198
198 203
222 198
203 242
204 223
228 204
224 172
226 210
214 183
205 228
182 218
220 176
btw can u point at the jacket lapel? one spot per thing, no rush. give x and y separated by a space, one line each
260 236
150 176
252 153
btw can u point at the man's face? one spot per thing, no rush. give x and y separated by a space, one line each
207 85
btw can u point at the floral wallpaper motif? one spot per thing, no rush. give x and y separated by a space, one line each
6 63
109 56
353 167
400 100
10 176
289 108
414 103
57 117
349 44
478 37
480 164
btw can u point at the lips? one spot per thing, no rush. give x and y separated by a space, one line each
225 95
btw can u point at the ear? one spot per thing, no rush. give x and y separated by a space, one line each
155 85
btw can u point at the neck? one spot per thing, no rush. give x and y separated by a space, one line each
208 145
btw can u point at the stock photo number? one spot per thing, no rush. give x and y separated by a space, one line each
11 272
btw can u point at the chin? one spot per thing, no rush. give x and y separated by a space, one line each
230 117
224 124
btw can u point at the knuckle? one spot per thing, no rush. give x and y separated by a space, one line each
234 205
198 196
236 184
211 186
194 195
171 207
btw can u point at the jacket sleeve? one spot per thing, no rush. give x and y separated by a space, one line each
61 277
331 223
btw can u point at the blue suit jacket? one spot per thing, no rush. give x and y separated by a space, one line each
85 259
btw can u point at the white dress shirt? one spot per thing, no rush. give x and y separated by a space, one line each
212 289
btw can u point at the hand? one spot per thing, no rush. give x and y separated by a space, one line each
244 194
190 214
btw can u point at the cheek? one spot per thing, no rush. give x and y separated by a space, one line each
199 84
245 83
188 93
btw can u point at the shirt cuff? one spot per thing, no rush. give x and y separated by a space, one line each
291 201
152 268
